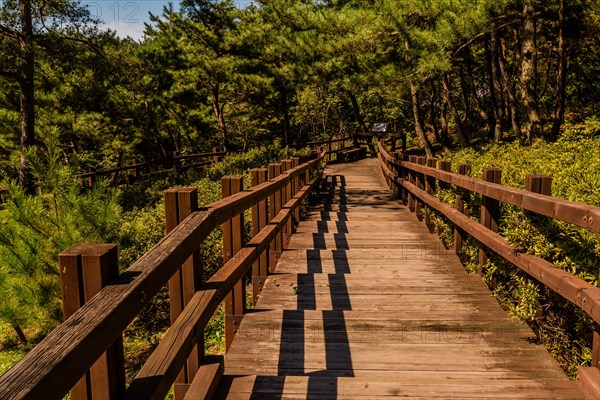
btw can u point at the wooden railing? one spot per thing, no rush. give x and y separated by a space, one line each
176 163
416 179
84 355
100 303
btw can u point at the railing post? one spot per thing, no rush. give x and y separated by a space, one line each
84 271
260 218
328 151
421 185
461 202
430 188
398 189
541 184
596 341
92 178
179 204
176 161
276 246
445 165
215 158
136 171
490 212
233 231
295 188
285 197
411 179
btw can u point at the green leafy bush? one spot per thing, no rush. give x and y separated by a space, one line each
574 164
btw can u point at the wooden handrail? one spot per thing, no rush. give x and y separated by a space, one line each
572 288
157 374
201 155
582 215
579 292
57 362
327 141
174 158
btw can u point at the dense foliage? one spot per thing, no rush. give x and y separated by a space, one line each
574 164
210 74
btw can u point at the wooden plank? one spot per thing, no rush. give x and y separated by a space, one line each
205 384
260 219
588 380
85 270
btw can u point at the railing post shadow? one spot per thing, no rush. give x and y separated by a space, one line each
490 212
235 301
179 204
84 271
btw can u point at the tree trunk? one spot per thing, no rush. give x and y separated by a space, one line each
465 94
462 139
495 79
488 65
533 125
286 114
356 111
509 88
27 94
444 120
434 127
218 110
561 79
414 95
482 113
20 333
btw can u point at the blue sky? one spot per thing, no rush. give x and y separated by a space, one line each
128 17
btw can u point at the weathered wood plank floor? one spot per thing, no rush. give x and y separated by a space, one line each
366 303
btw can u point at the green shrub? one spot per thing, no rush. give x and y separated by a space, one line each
35 229
574 164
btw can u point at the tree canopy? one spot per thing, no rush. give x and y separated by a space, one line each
444 73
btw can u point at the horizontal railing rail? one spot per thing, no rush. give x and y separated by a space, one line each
582 215
139 169
416 180
55 365
98 309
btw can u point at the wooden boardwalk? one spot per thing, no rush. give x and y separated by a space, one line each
366 303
